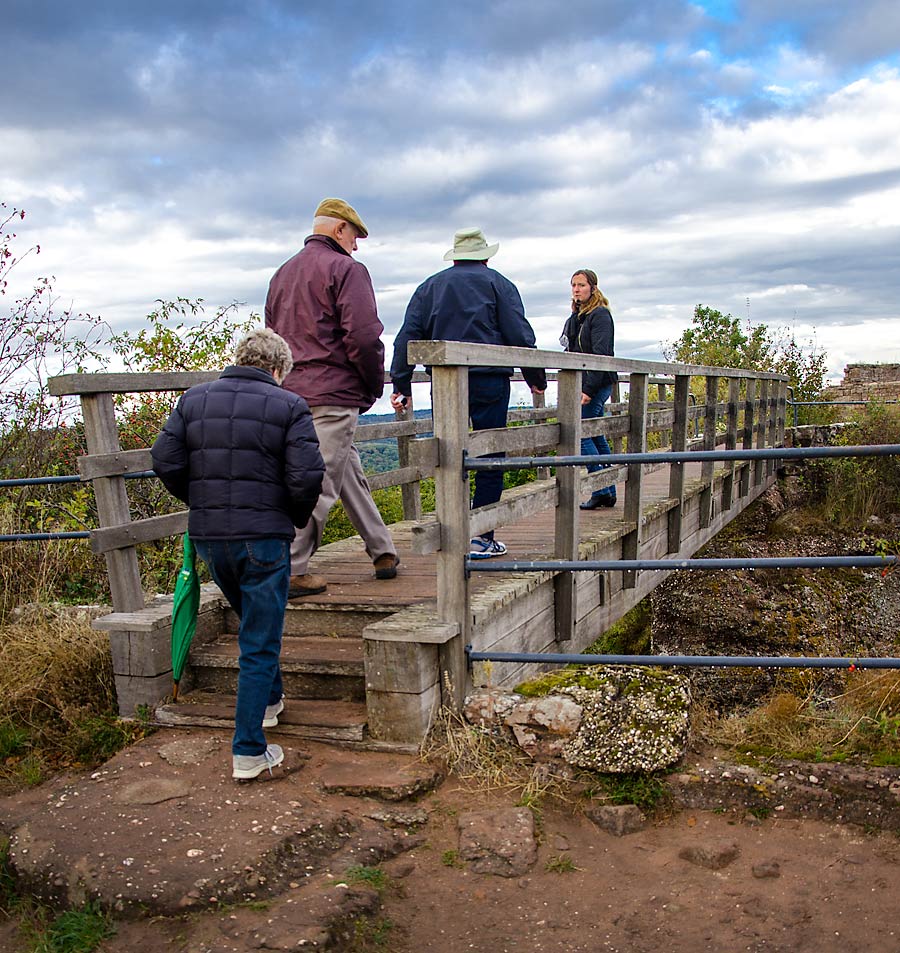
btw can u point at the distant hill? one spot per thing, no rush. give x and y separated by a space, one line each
380 455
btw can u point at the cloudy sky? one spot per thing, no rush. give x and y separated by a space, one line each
742 155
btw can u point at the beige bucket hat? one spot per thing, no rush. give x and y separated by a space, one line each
469 244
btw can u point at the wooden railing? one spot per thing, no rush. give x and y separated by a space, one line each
752 414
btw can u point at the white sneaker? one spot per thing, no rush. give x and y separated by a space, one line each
270 720
247 766
481 548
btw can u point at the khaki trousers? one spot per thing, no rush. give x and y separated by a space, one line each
344 478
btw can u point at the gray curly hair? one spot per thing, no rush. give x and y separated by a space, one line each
265 349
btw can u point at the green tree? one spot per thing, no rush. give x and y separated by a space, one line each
721 340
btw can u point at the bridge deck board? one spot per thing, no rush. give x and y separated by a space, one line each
351 579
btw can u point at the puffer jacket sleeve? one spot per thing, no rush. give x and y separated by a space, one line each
170 456
304 468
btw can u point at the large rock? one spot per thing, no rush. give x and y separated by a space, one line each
633 719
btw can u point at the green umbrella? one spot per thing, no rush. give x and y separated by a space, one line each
185 605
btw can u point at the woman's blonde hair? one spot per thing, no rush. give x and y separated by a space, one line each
597 298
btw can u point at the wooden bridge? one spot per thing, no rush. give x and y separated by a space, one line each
370 661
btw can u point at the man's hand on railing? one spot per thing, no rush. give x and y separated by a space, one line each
401 402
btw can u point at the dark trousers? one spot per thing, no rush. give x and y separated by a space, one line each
488 406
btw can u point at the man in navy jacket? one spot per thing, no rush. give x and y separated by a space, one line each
473 303
243 454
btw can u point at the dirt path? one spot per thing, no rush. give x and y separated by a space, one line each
273 860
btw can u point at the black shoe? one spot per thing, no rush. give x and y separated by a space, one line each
598 502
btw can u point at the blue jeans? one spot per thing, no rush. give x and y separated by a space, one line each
488 406
597 446
253 575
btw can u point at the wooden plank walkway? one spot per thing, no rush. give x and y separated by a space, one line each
352 582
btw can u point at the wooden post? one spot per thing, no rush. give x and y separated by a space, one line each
539 401
707 469
772 436
759 466
747 431
634 498
102 436
731 433
450 409
568 479
410 493
676 470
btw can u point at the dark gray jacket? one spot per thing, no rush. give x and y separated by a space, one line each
243 454
592 333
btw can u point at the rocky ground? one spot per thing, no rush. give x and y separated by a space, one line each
346 851
358 851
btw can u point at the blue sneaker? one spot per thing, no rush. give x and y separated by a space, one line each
482 548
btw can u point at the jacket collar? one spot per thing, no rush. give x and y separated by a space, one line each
248 373
327 240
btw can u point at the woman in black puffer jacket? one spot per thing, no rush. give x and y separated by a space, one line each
243 454
590 330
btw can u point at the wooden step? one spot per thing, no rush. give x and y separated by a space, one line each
313 667
317 720
327 616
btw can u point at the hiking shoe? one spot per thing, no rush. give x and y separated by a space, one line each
245 767
596 502
482 548
306 585
270 720
386 566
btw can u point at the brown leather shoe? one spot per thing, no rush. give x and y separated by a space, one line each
306 585
386 566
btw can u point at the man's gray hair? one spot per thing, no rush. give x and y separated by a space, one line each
326 221
265 349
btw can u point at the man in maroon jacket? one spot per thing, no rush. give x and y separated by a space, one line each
322 303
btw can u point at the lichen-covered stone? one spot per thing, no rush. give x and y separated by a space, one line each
633 719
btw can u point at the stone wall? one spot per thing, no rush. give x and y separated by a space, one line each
865 382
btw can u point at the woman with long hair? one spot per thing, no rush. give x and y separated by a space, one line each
589 330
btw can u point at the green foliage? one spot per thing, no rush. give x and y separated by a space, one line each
75 931
370 935
629 636
647 791
451 858
721 340
373 877
562 864
164 345
850 490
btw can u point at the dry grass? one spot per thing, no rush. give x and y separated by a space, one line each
485 761
57 698
861 722
51 663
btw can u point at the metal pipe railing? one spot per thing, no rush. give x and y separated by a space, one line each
681 456
625 565
689 661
